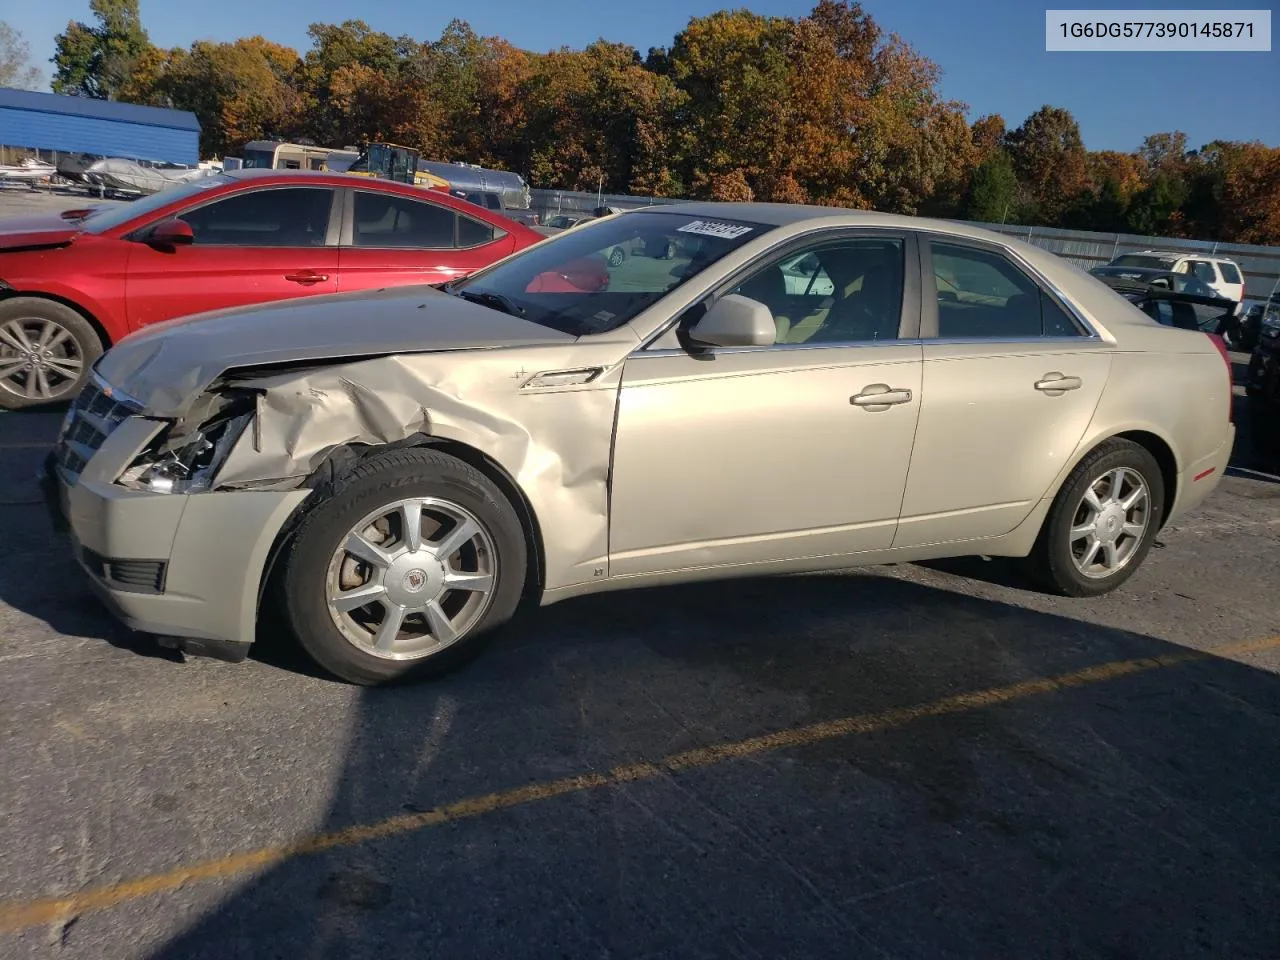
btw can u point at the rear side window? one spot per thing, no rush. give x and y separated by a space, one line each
1204 272
1229 272
473 233
983 295
387 220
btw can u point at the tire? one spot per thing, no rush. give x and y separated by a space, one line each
59 343
616 256
319 564
1056 560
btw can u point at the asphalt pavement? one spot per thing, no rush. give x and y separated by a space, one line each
917 761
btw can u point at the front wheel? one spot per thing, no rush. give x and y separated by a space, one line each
402 570
46 352
1102 523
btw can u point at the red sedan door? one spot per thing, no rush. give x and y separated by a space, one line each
254 246
392 240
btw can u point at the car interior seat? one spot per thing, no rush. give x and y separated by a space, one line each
769 287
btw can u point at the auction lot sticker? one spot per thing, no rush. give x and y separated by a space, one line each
1158 31
710 228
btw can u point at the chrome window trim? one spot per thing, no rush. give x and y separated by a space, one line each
874 344
923 238
929 237
333 219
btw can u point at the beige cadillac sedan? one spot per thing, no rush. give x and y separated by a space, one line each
753 389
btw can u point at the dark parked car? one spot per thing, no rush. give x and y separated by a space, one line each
1250 328
1262 383
1174 299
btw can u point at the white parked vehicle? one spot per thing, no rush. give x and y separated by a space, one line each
1223 275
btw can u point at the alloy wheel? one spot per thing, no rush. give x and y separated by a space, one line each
39 358
1110 522
411 578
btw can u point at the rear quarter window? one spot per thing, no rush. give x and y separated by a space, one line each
1229 272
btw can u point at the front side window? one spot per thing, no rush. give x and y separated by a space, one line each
983 295
389 220
290 217
107 218
840 291
602 275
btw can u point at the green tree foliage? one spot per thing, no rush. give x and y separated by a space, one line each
99 60
993 192
1049 159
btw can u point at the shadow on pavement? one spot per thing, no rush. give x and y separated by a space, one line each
1123 818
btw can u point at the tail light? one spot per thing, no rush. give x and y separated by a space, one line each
1226 359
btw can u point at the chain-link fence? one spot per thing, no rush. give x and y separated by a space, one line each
1260 265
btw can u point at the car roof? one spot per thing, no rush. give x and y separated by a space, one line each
793 214
1116 270
377 184
1178 255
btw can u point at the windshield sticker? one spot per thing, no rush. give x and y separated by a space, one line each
709 228
604 316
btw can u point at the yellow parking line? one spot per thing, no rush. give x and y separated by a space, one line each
16 915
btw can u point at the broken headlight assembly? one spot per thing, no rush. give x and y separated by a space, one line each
181 459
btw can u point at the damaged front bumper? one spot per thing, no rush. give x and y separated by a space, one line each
187 568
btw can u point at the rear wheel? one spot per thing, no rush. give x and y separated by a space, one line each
46 352
1102 523
402 571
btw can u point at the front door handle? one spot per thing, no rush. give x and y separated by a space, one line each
306 277
880 396
1056 384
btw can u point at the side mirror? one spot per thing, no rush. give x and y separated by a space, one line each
172 233
736 321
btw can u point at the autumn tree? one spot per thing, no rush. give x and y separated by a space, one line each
988 134
238 91
15 61
98 60
1249 174
733 69
1165 153
1049 159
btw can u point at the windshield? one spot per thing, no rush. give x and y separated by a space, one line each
259 159
108 218
1142 260
600 276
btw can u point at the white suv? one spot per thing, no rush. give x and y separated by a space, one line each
1221 274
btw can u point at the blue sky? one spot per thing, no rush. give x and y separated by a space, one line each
991 51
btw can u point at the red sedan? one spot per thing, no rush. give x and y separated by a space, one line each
70 288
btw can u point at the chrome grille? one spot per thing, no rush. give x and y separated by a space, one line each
91 419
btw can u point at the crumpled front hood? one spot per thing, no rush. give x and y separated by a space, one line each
165 367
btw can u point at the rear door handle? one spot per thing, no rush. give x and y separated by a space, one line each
1056 383
880 396
306 277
